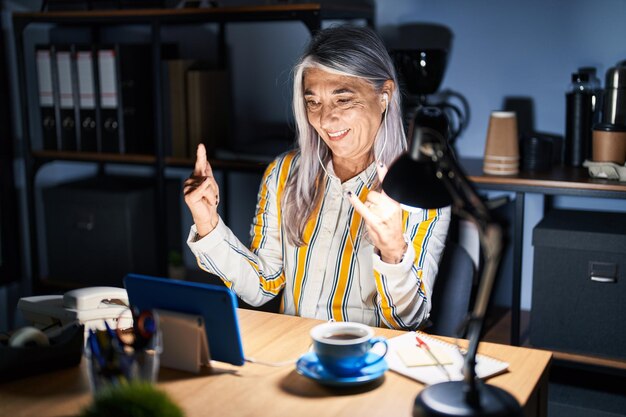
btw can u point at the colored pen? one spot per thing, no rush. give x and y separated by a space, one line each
95 348
421 344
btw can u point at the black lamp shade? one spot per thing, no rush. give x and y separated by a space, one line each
414 183
412 178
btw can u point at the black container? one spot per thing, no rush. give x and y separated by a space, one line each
536 153
64 351
579 283
579 121
100 229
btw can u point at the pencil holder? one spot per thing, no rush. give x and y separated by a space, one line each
112 361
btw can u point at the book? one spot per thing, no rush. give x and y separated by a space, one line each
175 76
406 358
208 104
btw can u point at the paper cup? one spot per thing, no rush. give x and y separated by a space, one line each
502 144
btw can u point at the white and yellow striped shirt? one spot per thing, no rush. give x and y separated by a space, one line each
328 278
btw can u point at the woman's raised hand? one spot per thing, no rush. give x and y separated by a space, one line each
202 194
383 220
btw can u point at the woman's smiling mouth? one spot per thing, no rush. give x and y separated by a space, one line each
338 135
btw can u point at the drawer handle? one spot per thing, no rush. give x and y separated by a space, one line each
602 279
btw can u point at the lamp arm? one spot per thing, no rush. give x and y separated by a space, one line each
467 203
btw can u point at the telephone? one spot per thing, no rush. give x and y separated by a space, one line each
88 306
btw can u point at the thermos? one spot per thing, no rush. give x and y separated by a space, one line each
614 108
579 120
609 136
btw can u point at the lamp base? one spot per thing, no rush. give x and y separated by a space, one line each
449 399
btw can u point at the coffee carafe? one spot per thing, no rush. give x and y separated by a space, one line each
614 105
609 136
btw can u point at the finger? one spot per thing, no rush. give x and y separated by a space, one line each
380 198
381 169
195 182
197 189
208 170
376 198
201 161
360 208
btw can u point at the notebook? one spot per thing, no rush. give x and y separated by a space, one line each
406 358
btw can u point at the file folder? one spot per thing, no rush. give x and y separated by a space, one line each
86 100
67 117
43 57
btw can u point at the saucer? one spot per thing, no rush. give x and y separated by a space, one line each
309 366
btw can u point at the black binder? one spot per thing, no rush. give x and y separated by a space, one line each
43 57
87 121
126 98
109 99
66 82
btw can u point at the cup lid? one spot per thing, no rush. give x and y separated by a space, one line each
608 127
616 77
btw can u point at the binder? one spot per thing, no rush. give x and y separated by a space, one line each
126 98
111 122
87 123
67 116
43 58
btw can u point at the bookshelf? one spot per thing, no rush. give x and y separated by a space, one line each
310 14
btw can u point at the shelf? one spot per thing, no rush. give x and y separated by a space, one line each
48 156
559 180
308 13
499 332
235 165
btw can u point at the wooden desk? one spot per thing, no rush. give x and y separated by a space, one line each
254 389
559 181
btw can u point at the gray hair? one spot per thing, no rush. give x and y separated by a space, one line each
344 50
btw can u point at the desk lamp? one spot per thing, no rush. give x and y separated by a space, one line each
428 176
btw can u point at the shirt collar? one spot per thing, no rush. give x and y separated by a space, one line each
366 176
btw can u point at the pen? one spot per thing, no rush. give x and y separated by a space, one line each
95 348
423 345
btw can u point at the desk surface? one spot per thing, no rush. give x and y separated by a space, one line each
255 389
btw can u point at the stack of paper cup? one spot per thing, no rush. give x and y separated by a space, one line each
502 146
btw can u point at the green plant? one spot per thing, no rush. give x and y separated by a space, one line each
175 258
134 399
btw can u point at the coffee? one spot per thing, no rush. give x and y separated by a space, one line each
343 347
343 336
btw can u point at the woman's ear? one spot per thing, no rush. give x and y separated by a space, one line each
387 91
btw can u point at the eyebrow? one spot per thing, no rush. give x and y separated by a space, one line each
343 90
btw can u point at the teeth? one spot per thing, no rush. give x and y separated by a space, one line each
337 134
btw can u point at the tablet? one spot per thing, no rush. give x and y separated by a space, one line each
216 305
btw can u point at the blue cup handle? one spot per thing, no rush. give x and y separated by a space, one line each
373 341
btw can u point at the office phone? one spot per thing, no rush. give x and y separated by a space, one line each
88 306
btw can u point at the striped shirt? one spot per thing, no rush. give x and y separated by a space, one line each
336 274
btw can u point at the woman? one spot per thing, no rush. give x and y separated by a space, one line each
323 230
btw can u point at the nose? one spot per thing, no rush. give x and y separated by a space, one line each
328 115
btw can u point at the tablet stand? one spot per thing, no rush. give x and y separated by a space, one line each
185 344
